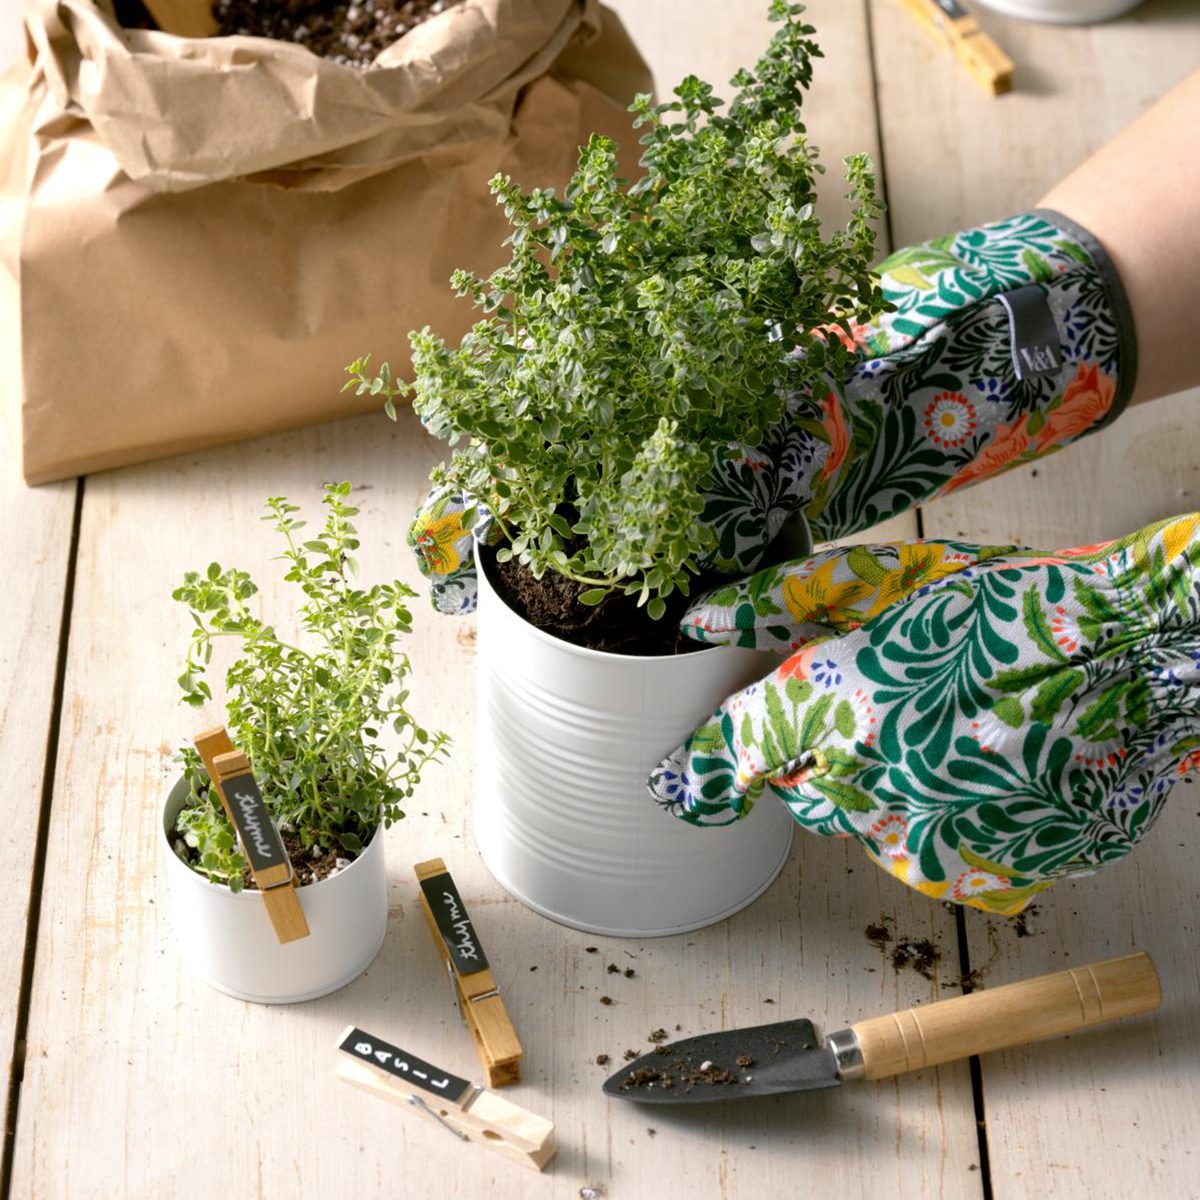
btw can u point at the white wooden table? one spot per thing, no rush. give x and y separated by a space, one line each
132 1080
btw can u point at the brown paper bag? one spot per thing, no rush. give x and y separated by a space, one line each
197 234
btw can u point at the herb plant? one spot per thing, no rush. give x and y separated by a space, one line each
309 718
637 327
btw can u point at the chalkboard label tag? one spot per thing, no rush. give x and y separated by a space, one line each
454 924
259 837
405 1066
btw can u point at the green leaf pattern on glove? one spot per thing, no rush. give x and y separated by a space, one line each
983 720
933 403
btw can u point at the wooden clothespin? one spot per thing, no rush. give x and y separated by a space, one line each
467 1110
948 22
476 995
186 18
229 772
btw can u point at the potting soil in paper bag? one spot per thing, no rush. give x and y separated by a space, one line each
197 234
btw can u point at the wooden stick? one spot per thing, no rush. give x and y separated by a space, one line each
224 765
1008 1016
949 23
478 997
467 1110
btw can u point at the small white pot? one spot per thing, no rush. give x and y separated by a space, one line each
228 940
1063 12
563 818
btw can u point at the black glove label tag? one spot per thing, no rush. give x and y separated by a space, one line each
1033 335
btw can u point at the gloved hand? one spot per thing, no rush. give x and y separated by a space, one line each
1007 342
984 720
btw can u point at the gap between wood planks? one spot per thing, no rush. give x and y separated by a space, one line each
960 924
39 853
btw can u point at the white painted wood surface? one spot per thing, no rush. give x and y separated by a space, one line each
141 1081
1106 1112
35 542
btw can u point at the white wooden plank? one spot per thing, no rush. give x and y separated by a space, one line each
204 1095
1110 1111
35 539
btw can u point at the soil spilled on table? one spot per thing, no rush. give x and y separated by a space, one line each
917 954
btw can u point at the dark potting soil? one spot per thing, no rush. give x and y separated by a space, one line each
616 624
351 32
306 867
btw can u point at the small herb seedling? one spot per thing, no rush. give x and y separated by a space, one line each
311 718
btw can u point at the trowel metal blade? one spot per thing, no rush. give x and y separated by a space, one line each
737 1064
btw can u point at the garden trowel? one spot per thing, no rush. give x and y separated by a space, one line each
790 1056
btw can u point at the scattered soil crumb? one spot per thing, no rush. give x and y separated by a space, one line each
601 1060
878 934
630 1055
969 981
651 1131
658 1035
768 1000
1021 921
606 999
920 954
744 1060
613 969
533 968
592 949
708 1074
629 972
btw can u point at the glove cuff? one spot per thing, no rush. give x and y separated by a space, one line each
1127 355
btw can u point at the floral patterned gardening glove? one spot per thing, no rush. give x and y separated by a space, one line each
984 720
1007 342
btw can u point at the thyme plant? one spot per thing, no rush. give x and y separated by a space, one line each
309 718
638 327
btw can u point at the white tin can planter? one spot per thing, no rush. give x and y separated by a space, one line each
227 939
563 818
1063 12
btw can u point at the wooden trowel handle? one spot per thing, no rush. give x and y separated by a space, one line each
1007 1016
